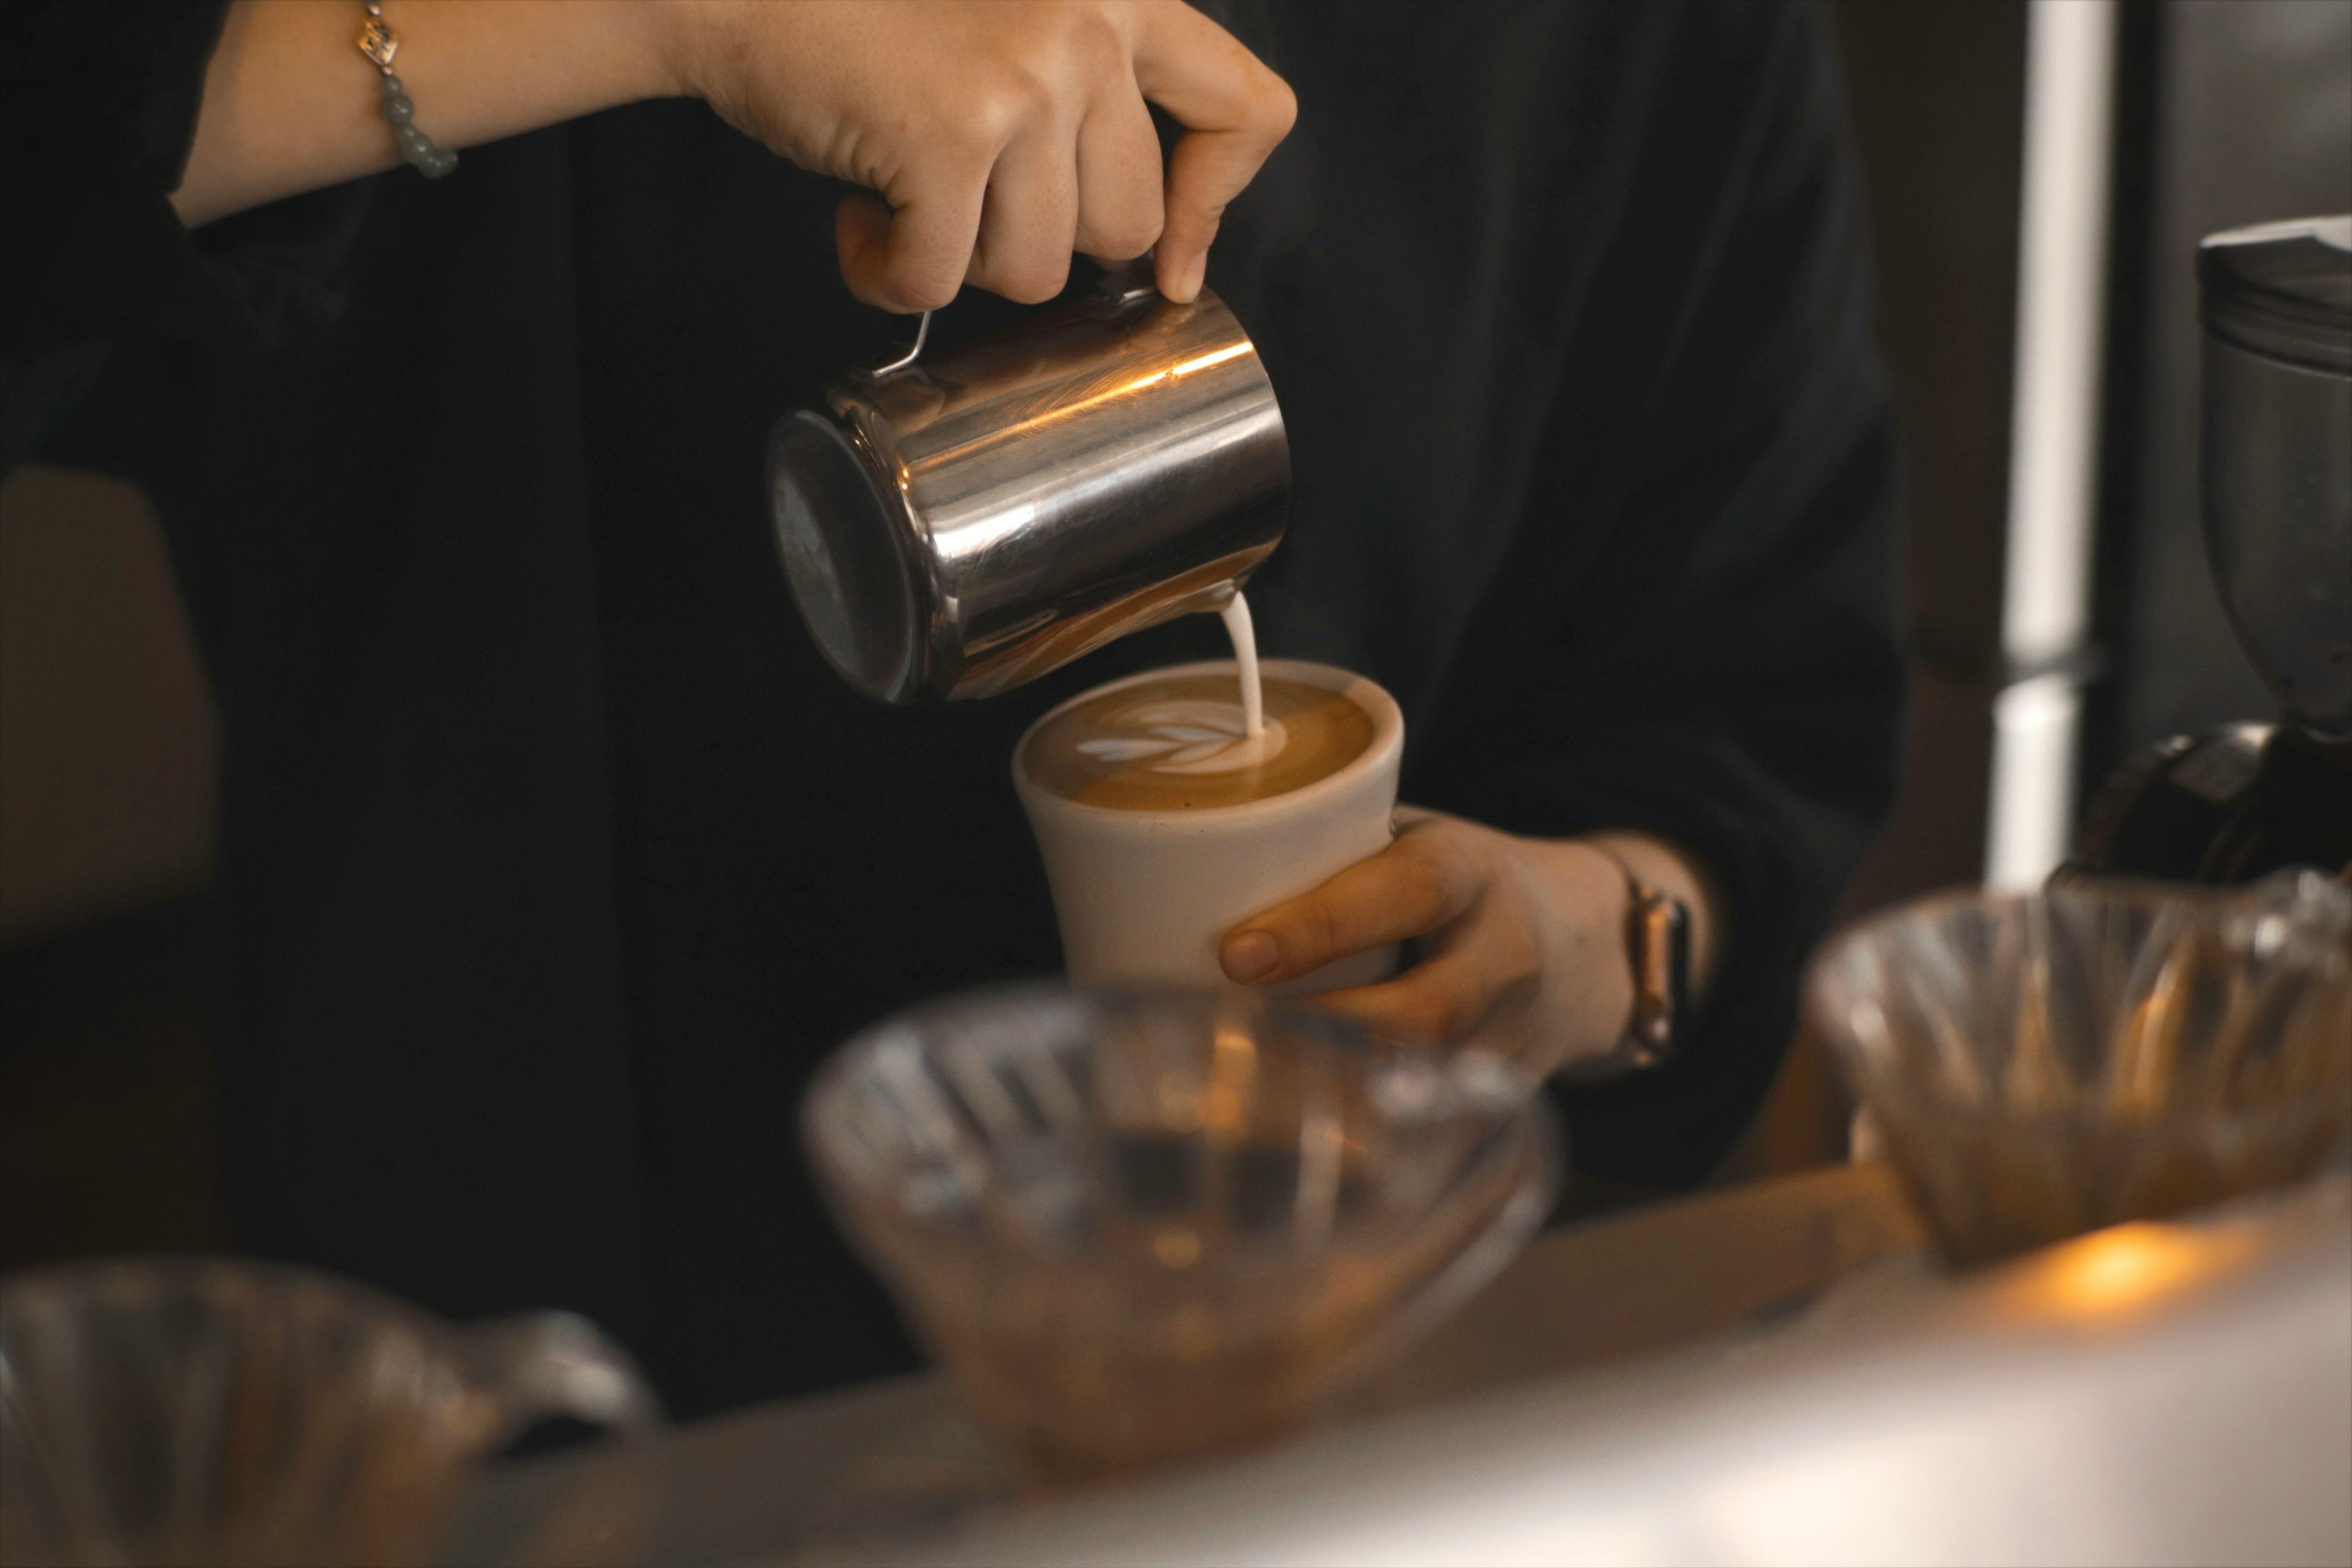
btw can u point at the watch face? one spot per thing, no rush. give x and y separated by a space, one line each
1660 940
1678 946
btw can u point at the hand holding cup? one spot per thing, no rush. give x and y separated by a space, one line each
1521 941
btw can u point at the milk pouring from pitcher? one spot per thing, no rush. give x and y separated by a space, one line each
962 523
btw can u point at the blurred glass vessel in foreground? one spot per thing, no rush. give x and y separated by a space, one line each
1138 1227
2045 1064
209 1412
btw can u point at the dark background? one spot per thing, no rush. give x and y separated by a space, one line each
2230 112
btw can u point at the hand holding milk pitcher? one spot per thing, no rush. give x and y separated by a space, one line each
962 523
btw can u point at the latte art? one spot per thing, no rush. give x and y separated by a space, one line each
1182 736
1181 743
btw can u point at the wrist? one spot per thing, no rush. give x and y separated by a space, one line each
289 105
1589 989
679 40
602 53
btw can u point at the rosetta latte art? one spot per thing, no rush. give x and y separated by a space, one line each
1190 737
1180 743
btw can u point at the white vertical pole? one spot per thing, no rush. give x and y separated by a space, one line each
2054 442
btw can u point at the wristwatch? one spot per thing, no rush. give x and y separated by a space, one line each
1657 951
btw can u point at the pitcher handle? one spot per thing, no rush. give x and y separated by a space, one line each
542 1364
922 334
1122 281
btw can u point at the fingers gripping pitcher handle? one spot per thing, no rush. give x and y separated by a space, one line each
1127 280
541 1365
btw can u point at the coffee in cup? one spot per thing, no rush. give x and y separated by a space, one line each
1163 824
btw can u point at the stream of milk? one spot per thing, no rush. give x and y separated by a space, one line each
1237 617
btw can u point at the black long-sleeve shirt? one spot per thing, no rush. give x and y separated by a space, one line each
552 857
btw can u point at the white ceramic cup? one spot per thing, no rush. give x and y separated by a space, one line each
1145 898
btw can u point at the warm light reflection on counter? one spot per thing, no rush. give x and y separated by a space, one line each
2123 1269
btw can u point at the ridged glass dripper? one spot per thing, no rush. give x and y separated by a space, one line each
1142 1226
198 1412
2043 1064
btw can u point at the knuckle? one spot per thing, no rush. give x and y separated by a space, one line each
1027 276
986 117
1424 882
1320 925
1120 239
1274 108
1020 88
923 288
1419 887
1034 285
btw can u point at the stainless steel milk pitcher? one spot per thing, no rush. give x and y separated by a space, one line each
964 522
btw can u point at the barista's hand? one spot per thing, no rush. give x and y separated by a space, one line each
1003 136
1522 940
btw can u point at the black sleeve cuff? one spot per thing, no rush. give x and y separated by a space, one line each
1778 860
100 99
102 94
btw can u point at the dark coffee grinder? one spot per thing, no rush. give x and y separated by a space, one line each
2234 803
